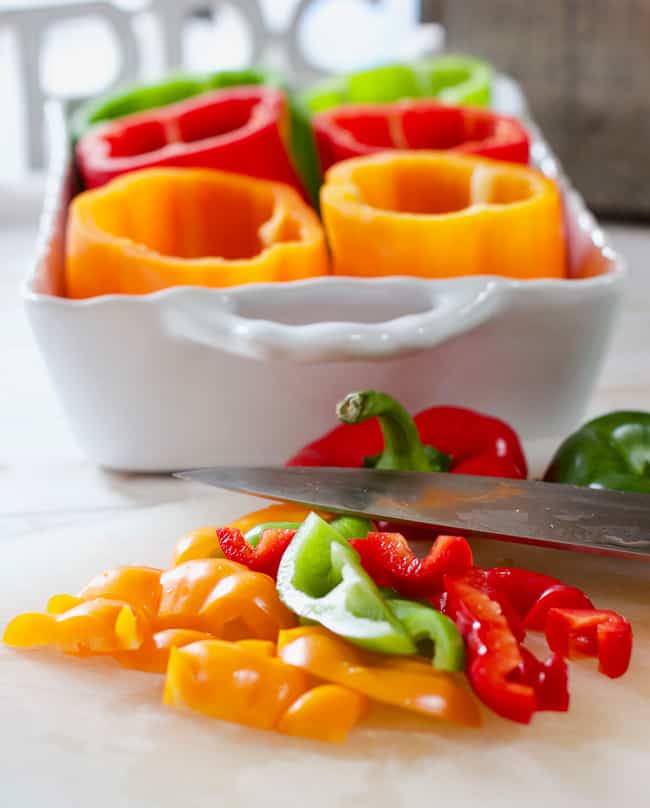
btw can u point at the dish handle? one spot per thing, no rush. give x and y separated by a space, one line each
334 319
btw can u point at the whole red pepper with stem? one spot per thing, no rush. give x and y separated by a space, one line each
377 431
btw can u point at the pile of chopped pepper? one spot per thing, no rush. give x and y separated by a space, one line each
297 622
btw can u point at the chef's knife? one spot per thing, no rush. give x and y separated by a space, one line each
546 514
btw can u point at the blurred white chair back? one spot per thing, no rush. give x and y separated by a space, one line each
305 37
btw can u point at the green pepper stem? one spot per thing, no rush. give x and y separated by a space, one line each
403 449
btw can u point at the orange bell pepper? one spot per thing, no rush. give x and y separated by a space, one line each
153 654
203 542
324 713
437 215
137 586
231 682
156 228
99 626
199 543
409 683
246 684
222 598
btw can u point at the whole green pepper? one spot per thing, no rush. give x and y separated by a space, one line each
612 451
141 97
320 578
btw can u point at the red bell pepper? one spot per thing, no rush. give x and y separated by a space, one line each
378 431
240 129
532 594
507 678
390 562
265 557
597 633
356 130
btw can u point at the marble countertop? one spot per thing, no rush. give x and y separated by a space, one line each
46 482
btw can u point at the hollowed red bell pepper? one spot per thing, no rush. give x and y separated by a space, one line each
390 562
241 129
506 677
379 432
355 130
597 633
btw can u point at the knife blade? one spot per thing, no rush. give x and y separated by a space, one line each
523 511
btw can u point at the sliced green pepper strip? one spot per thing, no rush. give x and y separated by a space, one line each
320 578
352 527
403 449
254 535
424 623
612 452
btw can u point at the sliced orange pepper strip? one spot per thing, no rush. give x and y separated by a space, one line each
137 586
100 626
222 598
384 679
153 654
232 682
199 543
324 713
203 542
280 512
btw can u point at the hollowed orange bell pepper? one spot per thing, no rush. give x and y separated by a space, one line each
222 598
434 215
157 228
409 683
99 626
246 684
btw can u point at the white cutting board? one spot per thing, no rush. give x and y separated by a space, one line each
90 734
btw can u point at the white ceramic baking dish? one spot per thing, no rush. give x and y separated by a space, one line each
192 377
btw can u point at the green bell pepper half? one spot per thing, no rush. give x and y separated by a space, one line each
424 624
177 87
320 579
453 79
612 451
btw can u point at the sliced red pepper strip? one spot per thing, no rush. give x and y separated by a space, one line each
533 594
559 596
496 667
265 557
390 562
598 633
549 679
